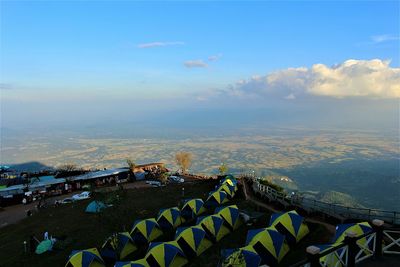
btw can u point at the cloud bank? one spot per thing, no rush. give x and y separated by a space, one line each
158 44
353 78
195 64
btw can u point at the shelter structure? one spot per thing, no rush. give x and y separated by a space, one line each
192 240
118 246
145 231
85 258
165 254
241 257
192 208
214 226
290 224
230 214
169 218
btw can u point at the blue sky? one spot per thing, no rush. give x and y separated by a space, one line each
73 51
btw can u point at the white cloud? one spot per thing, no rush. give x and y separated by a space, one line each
353 78
384 38
215 57
195 64
158 44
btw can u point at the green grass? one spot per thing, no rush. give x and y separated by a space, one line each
83 230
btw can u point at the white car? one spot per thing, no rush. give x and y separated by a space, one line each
66 201
81 196
176 179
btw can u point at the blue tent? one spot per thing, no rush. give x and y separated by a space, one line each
95 207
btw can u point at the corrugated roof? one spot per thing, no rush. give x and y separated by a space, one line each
99 174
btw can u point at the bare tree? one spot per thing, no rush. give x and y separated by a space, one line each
184 160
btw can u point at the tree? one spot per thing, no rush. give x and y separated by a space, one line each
184 160
131 164
223 169
68 167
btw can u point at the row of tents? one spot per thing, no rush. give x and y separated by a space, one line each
189 241
268 246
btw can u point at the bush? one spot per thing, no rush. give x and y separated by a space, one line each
274 186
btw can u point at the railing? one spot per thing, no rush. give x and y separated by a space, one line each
311 205
354 249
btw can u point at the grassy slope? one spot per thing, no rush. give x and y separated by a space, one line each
84 230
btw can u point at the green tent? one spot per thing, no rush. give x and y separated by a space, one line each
44 246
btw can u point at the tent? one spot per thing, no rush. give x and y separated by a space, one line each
241 257
165 254
85 258
138 263
332 259
144 231
290 224
192 240
214 227
95 207
44 246
169 218
268 243
230 190
357 228
216 198
192 208
230 214
118 246
230 180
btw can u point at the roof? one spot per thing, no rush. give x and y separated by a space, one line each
45 181
99 174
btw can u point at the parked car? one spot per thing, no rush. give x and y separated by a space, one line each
81 196
67 201
176 179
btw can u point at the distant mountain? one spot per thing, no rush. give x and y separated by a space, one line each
340 198
32 166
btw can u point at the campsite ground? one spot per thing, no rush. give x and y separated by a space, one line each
78 230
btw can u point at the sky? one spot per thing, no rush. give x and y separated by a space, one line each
308 63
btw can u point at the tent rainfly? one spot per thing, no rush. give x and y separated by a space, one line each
229 190
214 227
165 254
118 246
269 244
290 224
145 231
138 263
169 218
241 257
216 198
230 214
85 258
192 240
193 208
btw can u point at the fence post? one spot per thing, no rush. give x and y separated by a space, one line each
351 242
378 227
313 256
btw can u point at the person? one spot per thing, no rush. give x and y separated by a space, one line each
46 235
24 201
32 243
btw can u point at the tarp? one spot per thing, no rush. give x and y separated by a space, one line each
144 231
95 207
138 263
216 198
192 240
118 246
169 218
44 246
290 224
230 214
241 257
193 208
268 243
214 226
85 258
166 254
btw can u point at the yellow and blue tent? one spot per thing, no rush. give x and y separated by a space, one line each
169 218
356 228
145 231
290 224
230 190
214 227
332 259
192 208
241 257
268 243
165 254
230 214
85 258
138 263
192 240
216 198
118 246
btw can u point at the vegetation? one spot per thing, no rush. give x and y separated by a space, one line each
184 160
68 167
223 169
131 164
272 185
